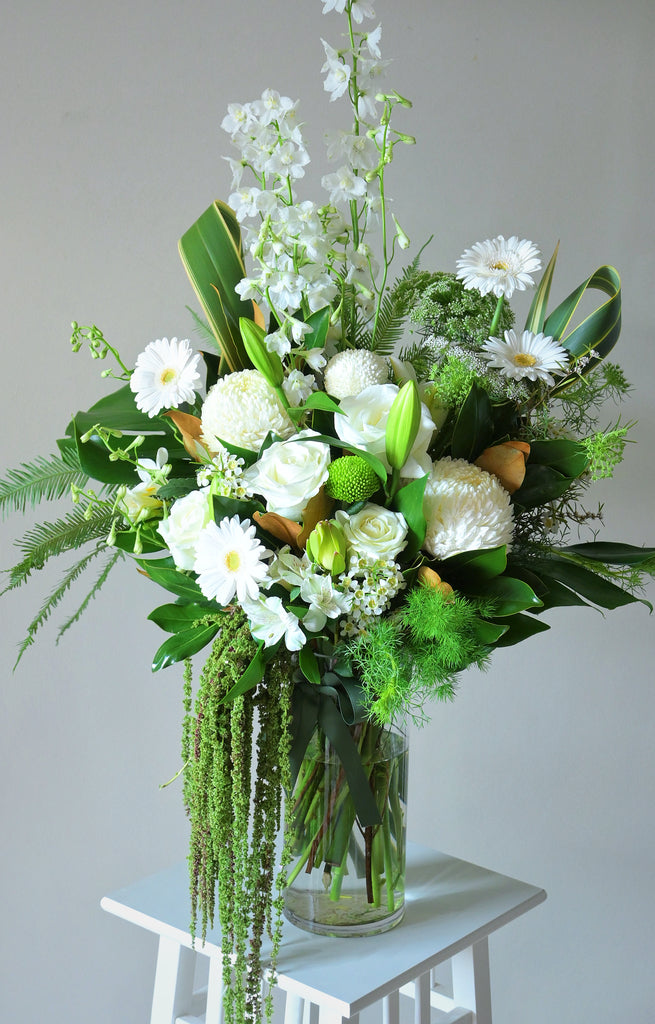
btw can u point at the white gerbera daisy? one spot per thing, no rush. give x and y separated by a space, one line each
229 561
241 409
535 356
349 372
499 265
165 375
466 509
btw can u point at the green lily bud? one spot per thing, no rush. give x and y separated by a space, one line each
402 425
403 240
326 546
268 363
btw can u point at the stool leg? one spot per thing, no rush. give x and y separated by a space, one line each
173 981
391 1008
471 982
422 988
294 1008
214 1011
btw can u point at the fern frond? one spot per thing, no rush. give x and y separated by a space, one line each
102 578
45 479
54 599
395 309
50 539
203 330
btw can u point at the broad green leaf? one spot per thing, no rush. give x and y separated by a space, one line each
559 596
473 430
253 674
174 581
567 457
212 257
149 541
319 323
119 410
489 632
537 314
183 645
541 485
409 502
583 581
612 553
95 462
176 617
508 594
520 628
309 665
244 508
481 565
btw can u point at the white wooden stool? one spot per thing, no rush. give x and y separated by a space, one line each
452 907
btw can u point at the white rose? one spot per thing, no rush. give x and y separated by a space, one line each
187 518
364 423
374 531
289 473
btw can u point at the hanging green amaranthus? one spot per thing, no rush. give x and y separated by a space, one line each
233 839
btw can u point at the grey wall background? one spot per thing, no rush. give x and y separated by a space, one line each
531 119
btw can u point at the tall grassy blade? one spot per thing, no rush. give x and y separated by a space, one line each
54 599
211 254
106 569
47 540
45 479
537 314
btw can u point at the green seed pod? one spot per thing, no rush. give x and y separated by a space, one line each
402 425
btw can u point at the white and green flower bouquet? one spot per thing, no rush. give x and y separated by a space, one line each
356 488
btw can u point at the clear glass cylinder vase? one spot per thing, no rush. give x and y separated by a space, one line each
347 878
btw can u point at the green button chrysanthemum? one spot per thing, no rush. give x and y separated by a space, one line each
351 479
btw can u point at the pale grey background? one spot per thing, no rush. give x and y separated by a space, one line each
532 118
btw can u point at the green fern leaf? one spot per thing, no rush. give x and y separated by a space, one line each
106 569
48 540
54 599
44 479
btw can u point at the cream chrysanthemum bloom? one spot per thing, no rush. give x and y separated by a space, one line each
351 371
241 409
466 509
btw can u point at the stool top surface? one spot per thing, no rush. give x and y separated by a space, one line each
450 904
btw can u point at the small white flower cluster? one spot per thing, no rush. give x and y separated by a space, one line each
371 585
224 474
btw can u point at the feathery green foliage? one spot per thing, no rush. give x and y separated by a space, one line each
115 556
47 540
394 310
447 309
44 479
605 451
53 599
581 402
217 749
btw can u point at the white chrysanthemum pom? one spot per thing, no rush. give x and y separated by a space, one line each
499 265
165 375
351 371
466 509
535 356
241 409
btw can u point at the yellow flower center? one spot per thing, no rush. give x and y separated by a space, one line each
524 359
232 561
500 265
167 375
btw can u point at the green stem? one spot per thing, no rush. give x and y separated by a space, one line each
496 316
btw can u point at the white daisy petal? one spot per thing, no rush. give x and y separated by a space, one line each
535 356
229 561
165 375
499 265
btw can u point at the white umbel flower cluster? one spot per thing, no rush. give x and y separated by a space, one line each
349 372
241 409
465 508
370 586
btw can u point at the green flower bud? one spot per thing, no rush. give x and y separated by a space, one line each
268 363
402 425
350 479
326 546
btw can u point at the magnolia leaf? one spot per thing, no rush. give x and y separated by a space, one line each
611 553
182 645
480 565
174 581
190 428
474 425
279 526
319 323
508 594
317 509
409 502
520 627
175 617
309 665
506 462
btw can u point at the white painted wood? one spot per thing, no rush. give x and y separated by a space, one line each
215 990
422 999
173 989
471 980
313 1013
391 1008
294 1009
